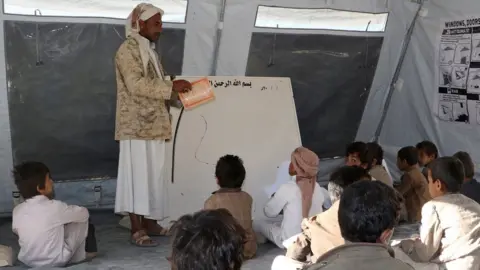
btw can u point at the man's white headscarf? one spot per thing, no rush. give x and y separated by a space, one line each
143 12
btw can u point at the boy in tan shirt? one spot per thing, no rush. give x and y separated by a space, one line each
413 185
230 174
374 156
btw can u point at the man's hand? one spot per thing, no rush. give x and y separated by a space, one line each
182 86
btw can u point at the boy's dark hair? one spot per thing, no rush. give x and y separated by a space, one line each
29 176
359 148
374 151
428 148
209 239
343 177
409 154
230 172
366 210
449 170
347 175
468 165
356 147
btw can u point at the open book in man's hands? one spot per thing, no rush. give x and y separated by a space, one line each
201 93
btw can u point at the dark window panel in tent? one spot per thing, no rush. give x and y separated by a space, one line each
331 78
63 111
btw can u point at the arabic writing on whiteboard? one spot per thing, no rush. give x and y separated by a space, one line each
229 83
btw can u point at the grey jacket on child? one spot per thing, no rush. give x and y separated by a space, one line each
359 256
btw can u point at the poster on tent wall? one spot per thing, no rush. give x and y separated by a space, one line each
459 72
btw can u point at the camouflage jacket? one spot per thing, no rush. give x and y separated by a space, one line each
142 112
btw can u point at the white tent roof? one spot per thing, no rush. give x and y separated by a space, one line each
410 117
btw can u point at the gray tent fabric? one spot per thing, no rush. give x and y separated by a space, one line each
327 72
411 116
192 33
395 81
62 111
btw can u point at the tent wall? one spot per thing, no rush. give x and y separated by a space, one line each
54 95
401 15
202 22
80 42
202 19
410 118
330 91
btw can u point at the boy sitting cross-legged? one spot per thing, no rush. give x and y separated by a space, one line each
51 233
230 174
450 230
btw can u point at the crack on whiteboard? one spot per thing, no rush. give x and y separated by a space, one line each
201 141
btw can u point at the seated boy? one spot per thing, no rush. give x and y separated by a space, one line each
427 152
374 157
209 239
296 199
230 174
321 233
413 186
449 235
470 187
367 214
51 233
355 154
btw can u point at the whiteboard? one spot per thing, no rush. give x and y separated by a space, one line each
254 118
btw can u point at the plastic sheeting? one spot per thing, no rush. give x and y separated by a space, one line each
62 94
330 19
175 10
201 28
331 78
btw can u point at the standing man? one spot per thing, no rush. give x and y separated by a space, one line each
142 125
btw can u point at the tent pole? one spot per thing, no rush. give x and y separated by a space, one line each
391 88
216 53
213 72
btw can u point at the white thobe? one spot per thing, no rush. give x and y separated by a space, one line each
141 182
289 199
285 263
51 233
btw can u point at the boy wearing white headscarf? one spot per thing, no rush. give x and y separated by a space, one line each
143 125
297 199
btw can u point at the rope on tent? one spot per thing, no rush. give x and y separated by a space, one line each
365 64
271 62
39 62
406 43
219 38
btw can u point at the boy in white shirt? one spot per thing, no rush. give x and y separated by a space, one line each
449 235
51 233
297 200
